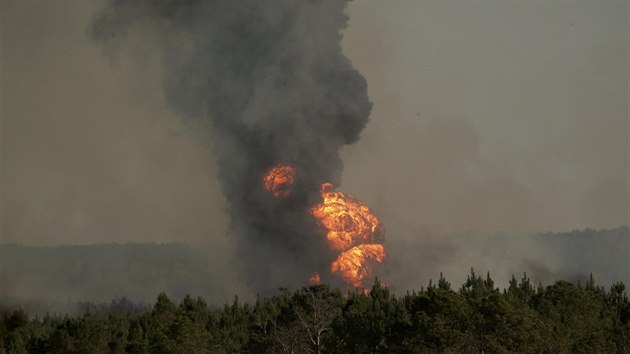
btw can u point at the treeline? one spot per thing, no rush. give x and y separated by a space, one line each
476 318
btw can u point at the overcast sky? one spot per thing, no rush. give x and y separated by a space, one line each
487 117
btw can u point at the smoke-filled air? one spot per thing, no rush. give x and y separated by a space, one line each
271 82
234 147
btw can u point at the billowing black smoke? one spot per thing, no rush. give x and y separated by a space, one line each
272 83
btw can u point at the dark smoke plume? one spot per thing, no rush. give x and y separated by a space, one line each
270 81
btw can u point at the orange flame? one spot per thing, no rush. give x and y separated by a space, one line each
349 222
279 180
353 230
315 279
354 265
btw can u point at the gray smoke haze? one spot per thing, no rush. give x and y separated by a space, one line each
486 117
546 258
271 82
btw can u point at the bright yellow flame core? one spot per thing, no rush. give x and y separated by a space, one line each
349 222
279 180
354 265
353 230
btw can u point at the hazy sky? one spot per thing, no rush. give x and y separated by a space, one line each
493 116
487 116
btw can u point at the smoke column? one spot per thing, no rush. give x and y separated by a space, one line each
271 84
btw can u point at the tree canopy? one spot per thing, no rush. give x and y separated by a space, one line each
478 318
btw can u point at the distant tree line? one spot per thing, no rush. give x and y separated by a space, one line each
476 318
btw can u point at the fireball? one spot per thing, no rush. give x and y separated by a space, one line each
355 265
353 230
279 180
349 222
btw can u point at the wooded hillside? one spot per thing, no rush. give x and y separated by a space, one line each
476 318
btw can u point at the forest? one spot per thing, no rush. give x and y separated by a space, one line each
478 317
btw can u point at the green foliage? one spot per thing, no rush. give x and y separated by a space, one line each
373 322
560 318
